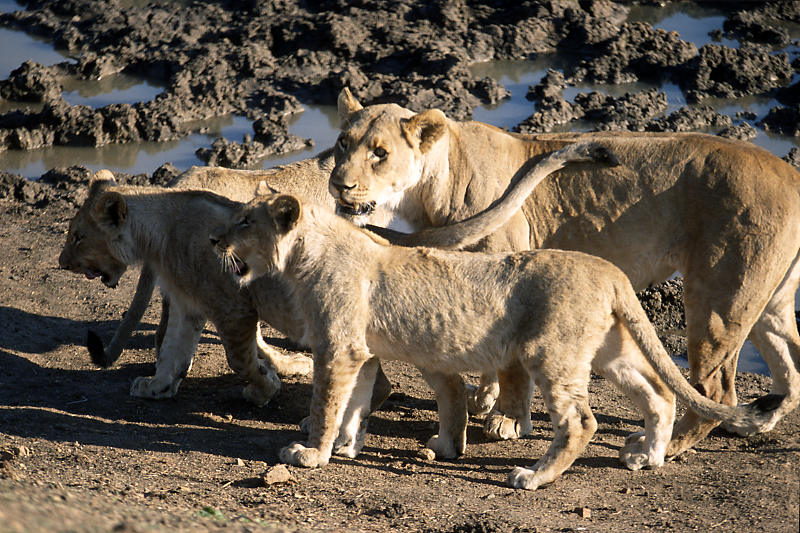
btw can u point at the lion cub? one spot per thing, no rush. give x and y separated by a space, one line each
560 314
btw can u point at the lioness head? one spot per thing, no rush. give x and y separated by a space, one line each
251 245
89 249
380 153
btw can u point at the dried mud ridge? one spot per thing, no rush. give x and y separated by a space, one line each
78 454
260 59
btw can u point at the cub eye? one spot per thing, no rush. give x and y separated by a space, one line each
76 239
380 152
341 143
243 223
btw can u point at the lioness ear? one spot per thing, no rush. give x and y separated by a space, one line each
424 129
110 210
347 105
263 189
101 179
286 212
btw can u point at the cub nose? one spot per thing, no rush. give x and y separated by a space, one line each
214 240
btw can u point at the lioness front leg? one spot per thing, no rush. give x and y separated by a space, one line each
335 375
451 400
174 357
511 416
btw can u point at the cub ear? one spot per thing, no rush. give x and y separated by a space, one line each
285 210
101 179
424 129
263 189
110 211
348 105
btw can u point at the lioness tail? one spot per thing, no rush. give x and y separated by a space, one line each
473 229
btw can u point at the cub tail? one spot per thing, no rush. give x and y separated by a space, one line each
750 417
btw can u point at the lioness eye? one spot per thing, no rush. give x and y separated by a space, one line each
341 142
244 223
380 152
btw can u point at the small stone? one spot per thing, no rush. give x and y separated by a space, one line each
427 454
239 462
22 451
584 512
278 474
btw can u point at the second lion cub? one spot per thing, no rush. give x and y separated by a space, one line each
561 314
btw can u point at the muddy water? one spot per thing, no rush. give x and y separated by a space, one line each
319 123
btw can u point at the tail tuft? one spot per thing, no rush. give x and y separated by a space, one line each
767 403
96 350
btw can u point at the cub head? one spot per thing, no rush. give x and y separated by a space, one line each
381 152
93 231
254 242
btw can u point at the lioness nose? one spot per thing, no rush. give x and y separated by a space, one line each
342 186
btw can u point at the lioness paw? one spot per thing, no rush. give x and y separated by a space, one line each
500 427
298 454
153 388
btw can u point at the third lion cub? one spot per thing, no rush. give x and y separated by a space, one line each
560 314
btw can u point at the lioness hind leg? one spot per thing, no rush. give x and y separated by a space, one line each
566 399
621 361
174 358
451 400
511 416
239 337
776 338
286 365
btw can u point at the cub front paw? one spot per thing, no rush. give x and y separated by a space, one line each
443 448
154 389
261 393
636 455
297 454
523 478
500 427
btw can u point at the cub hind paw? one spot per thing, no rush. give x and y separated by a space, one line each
636 455
297 454
153 388
501 427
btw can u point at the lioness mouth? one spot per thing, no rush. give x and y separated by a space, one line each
355 210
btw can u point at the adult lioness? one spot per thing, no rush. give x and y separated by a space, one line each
724 213
558 314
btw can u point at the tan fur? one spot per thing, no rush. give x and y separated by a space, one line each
724 213
559 315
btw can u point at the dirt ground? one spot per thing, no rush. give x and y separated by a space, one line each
77 453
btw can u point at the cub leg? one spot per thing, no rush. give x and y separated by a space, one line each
622 362
775 337
286 365
335 373
511 416
161 330
239 337
354 423
451 399
566 400
353 429
174 358
481 399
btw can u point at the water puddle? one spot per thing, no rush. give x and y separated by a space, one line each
118 89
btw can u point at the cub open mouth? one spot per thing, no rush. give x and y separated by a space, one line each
239 267
355 210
